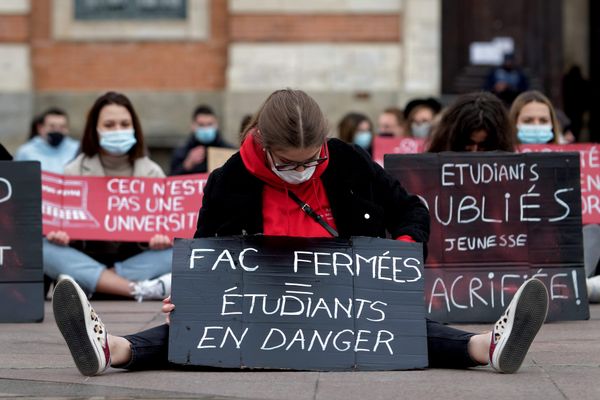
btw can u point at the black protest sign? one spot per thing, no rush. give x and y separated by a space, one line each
21 273
296 303
498 219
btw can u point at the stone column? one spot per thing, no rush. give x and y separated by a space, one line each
422 49
15 75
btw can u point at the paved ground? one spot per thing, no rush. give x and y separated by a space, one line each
564 363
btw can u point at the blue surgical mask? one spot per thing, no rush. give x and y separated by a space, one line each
421 130
534 134
206 134
363 139
117 142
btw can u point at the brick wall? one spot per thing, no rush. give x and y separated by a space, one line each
167 77
14 28
176 65
315 28
347 54
134 65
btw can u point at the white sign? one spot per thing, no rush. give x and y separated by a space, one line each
491 53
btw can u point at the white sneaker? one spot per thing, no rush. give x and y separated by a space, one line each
517 327
593 289
54 283
81 327
152 289
64 276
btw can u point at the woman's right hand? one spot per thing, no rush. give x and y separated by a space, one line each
167 307
60 238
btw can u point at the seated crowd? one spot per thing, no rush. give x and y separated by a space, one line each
112 144
277 151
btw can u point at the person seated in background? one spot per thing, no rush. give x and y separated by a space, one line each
479 122
535 119
507 81
391 123
112 145
49 142
191 158
537 123
243 123
474 122
356 128
576 99
419 115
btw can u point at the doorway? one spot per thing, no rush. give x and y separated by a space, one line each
535 27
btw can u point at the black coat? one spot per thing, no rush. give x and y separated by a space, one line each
365 200
180 154
4 154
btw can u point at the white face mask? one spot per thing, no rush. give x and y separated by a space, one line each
294 177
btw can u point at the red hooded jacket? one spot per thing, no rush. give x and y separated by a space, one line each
276 201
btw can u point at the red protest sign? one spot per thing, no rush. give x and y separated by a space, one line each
590 174
123 209
395 145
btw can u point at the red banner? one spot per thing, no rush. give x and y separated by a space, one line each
590 175
123 209
395 145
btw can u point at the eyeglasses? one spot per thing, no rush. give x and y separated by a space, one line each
295 165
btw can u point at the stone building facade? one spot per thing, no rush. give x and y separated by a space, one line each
349 54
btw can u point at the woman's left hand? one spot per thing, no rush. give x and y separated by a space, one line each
167 307
160 242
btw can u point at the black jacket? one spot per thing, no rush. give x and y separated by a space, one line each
365 200
181 153
4 154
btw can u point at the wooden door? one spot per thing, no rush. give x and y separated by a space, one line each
534 25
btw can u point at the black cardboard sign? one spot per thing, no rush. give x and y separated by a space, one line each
498 219
21 272
295 303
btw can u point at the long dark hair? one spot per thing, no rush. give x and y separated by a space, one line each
349 124
470 113
90 143
289 119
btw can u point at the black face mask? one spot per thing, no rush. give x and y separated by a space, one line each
386 134
55 138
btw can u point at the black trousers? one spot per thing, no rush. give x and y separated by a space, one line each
446 346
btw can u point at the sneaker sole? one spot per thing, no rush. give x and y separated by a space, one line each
530 314
70 319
